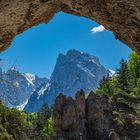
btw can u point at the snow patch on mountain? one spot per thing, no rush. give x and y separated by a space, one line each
42 90
111 72
21 107
85 70
30 78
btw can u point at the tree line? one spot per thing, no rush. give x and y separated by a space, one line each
122 91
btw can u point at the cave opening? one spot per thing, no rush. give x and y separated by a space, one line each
81 43
67 37
41 44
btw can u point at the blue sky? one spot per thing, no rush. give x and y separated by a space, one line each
36 49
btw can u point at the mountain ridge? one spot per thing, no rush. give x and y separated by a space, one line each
73 71
16 87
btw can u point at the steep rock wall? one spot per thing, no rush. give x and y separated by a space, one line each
83 119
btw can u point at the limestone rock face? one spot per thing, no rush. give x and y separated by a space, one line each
98 116
83 119
80 104
69 118
122 17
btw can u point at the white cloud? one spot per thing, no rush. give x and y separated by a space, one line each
98 29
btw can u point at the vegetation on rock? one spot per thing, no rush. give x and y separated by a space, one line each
123 91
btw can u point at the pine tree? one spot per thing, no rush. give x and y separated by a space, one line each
134 65
41 125
134 69
107 86
123 76
104 85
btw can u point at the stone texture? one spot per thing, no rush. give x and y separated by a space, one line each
69 118
83 119
122 17
98 116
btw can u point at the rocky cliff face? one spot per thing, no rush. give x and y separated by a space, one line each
16 88
95 118
73 71
83 119
122 17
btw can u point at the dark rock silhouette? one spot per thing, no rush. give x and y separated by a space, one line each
83 119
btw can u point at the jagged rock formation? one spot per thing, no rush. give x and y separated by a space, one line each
73 71
16 88
96 117
122 17
98 112
77 70
69 116
83 119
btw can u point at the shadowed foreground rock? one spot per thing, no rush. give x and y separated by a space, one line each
83 119
122 17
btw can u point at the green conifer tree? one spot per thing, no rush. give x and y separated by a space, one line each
123 76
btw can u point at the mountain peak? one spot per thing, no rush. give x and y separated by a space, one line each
75 54
74 51
13 69
73 71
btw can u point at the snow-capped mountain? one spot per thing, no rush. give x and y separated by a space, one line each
73 71
16 88
111 72
37 99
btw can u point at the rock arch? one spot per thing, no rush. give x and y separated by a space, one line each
122 17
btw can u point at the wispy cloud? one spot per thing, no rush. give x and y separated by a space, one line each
98 29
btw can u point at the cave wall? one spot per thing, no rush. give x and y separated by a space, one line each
122 17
